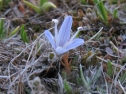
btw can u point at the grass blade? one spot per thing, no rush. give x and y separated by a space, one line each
123 77
23 34
42 2
97 75
36 8
68 88
109 69
102 10
1 25
83 79
14 31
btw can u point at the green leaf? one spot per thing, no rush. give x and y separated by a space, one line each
51 55
83 79
42 2
83 2
102 10
36 8
27 90
115 13
101 90
25 38
1 25
67 87
22 30
78 80
88 80
47 5
14 31
109 69
113 1
123 77
7 2
1 4
23 34
97 75
4 3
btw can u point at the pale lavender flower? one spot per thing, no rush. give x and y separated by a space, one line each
62 42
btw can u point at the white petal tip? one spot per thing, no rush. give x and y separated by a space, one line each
80 28
55 21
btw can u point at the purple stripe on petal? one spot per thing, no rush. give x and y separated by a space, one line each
64 32
50 38
75 43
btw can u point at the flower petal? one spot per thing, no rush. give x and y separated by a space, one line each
60 50
75 35
56 30
50 38
75 43
64 32
55 27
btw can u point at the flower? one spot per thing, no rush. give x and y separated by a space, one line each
62 42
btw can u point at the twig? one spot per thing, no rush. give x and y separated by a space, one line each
115 47
4 77
27 65
122 68
95 35
116 65
121 87
21 72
